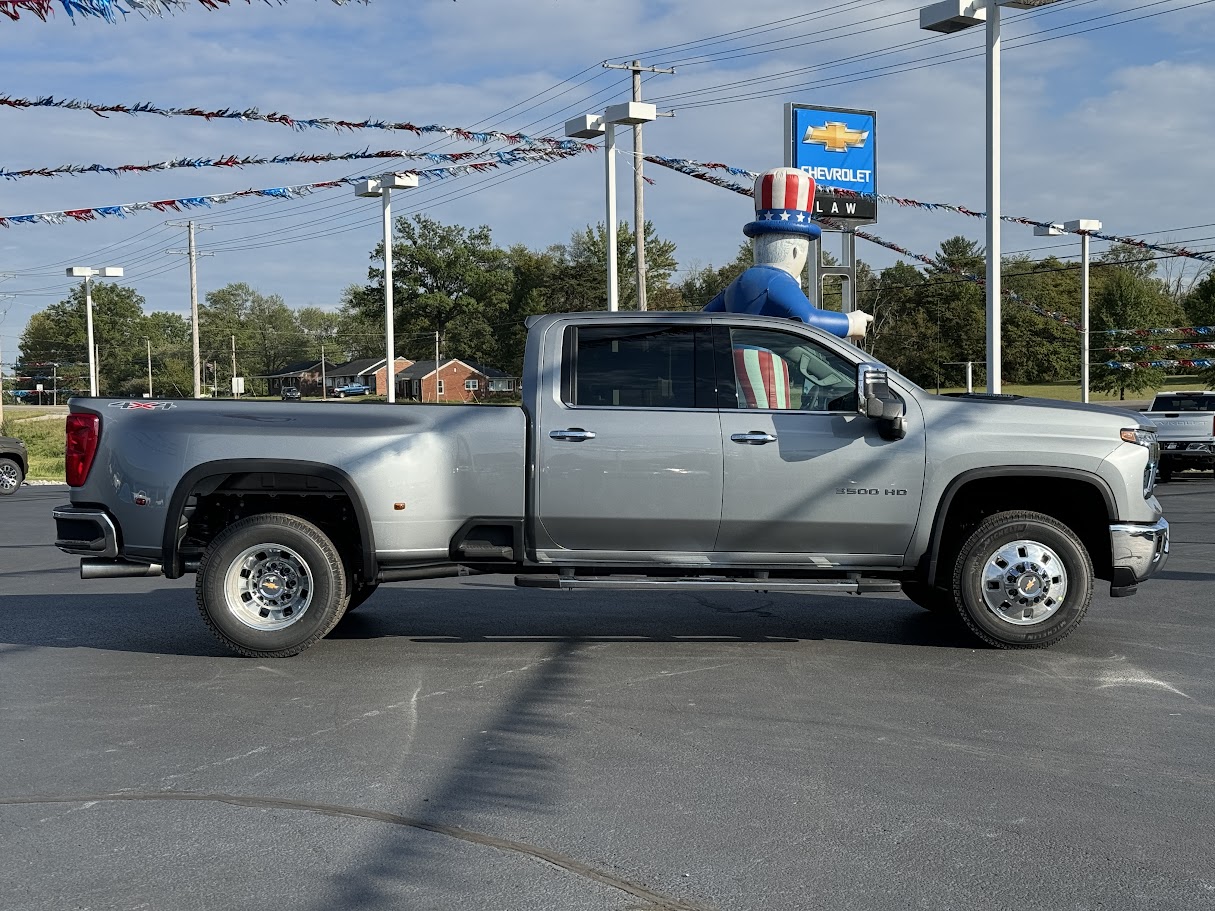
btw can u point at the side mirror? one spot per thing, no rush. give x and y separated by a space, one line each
876 401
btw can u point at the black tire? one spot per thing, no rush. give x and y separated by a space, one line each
930 597
11 477
1042 555
359 595
1163 475
248 563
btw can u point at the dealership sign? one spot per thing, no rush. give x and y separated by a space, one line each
838 148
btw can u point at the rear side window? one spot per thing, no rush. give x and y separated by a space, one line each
638 367
1184 403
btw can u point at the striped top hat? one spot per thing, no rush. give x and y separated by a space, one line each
784 201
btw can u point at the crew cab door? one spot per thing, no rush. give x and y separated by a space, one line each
628 448
804 472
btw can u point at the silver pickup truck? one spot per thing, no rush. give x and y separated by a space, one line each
664 451
1185 427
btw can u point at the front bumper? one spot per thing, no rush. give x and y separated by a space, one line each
1139 552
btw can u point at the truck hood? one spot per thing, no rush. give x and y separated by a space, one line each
1018 428
1097 412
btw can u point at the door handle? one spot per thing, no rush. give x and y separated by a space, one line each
754 437
573 435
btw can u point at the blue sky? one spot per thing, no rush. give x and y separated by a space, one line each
1112 123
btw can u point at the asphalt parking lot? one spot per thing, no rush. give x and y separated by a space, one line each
473 745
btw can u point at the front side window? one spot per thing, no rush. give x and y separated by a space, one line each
471 385
643 366
780 371
440 387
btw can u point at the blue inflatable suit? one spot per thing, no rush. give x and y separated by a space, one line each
771 291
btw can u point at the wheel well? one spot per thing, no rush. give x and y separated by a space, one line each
207 503
16 457
1079 504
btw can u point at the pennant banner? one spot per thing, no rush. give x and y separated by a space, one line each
293 192
1190 331
233 161
1131 365
1179 346
296 123
679 163
684 166
106 9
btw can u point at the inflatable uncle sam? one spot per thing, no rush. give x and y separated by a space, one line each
780 244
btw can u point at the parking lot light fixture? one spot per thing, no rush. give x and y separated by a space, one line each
951 16
88 274
588 127
383 187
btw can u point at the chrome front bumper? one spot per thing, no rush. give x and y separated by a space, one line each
1139 551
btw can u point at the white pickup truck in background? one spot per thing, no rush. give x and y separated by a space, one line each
1185 425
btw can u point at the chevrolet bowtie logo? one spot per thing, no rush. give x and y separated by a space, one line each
836 137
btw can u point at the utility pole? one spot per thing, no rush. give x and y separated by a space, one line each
324 379
234 366
193 253
149 341
436 366
638 173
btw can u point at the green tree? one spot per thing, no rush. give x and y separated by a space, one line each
705 283
57 338
1127 299
448 280
264 331
584 260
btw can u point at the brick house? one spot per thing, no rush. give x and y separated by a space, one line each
455 381
369 371
303 375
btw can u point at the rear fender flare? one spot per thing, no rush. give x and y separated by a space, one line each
216 472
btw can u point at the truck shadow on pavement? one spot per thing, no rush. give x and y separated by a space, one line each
166 622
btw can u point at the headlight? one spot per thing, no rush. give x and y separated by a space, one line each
1146 438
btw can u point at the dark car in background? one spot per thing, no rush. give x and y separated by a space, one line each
291 394
14 463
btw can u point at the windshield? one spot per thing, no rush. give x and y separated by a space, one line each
1183 402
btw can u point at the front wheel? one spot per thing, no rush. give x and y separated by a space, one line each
1023 580
11 477
271 585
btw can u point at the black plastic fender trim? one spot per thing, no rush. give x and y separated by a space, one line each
222 468
996 471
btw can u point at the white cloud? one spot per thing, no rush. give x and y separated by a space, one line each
1113 124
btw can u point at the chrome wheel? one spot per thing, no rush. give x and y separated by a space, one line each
268 587
1024 582
10 476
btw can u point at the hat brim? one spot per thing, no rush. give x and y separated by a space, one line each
805 229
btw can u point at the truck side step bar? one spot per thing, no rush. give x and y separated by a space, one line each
103 568
853 586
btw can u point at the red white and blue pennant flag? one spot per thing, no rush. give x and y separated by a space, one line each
234 161
688 166
109 10
253 115
522 156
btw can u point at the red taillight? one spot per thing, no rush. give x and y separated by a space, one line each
83 431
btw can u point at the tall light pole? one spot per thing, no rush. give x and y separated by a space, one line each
1084 227
951 16
87 274
589 126
383 187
